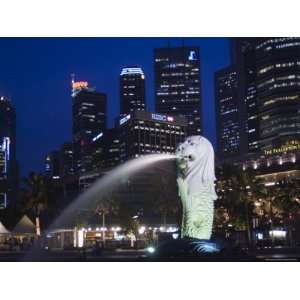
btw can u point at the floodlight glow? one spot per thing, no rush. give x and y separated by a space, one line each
260 236
171 229
175 236
142 230
80 238
151 249
278 233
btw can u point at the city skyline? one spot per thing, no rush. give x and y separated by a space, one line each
39 83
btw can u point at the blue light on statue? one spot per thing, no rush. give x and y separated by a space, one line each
205 247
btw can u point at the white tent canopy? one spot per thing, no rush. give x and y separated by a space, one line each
3 230
25 226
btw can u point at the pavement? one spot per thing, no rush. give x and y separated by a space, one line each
133 255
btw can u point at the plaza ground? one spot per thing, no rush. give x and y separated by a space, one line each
118 255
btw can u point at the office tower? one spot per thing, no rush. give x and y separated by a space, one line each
3 178
132 90
227 114
146 133
244 58
89 119
268 92
66 158
106 150
177 84
52 165
278 93
8 163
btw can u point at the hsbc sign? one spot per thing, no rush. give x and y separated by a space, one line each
164 118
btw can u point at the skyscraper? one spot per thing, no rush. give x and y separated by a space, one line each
106 150
177 84
268 84
52 165
278 93
66 158
244 58
227 114
8 163
132 90
89 120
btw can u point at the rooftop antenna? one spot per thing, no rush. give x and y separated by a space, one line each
72 78
72 84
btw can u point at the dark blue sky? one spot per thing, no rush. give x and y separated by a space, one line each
35 73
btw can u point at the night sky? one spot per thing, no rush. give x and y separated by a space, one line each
36 74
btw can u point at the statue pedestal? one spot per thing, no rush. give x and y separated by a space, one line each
187 249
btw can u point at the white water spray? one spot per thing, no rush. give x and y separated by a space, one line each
100 187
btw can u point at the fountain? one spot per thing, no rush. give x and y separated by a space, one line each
108 181
196 186
196 177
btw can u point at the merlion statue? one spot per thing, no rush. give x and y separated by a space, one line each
196 177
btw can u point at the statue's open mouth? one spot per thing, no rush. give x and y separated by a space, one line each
182 161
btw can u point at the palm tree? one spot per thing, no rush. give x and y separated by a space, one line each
248 188
287 203
238 190
107 205
36 196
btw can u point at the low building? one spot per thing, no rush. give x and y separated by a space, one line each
148 133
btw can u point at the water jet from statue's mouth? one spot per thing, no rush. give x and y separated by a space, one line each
184 158
182 162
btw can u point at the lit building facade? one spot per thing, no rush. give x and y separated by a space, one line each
147 133
8 163
89 119
243 57
278 93
111 149
177 84
132 90
66 160
52 165
268 91
227 114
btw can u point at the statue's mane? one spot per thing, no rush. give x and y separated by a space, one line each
202 173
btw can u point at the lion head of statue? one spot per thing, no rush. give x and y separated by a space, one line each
195 159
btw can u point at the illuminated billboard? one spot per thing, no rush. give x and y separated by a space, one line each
79 85
164 118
